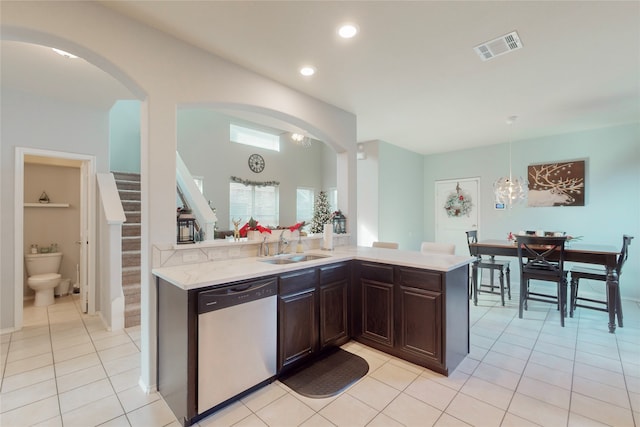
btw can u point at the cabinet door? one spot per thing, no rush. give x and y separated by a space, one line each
298 326
333 314
420 324
377 312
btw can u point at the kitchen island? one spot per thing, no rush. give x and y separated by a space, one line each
411 305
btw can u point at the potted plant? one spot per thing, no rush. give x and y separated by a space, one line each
252 230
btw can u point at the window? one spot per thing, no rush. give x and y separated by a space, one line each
332 197
254 137
304 204
259 202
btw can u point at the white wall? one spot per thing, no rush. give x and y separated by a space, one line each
401 208
368 194
165 73
124 137
612 189
37 122
390 195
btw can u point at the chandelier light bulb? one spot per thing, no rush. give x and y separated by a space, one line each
300 139
507 190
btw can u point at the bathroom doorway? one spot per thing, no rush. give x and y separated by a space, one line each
85 274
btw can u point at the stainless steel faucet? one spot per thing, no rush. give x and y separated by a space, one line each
264 247
282 243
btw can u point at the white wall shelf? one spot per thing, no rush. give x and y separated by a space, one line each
46 205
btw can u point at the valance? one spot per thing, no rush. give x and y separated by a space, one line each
248 182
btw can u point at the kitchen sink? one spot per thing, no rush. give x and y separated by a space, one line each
310 257
278 261
293 259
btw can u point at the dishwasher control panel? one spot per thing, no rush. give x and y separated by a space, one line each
237 293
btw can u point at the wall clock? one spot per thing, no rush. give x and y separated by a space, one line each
256 163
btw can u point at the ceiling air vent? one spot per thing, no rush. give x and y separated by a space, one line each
500 46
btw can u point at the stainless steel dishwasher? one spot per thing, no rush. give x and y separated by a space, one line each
237 340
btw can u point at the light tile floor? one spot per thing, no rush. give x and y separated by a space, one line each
64 369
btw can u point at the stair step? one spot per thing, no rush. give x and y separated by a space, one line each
131 289
130 244
131 205
132 315
131 299
129 195
131 259
128 185
133 217
126 176
130 276
129 230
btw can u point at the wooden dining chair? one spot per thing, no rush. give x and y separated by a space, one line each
388 245
542 258
598 274
437 248
493 265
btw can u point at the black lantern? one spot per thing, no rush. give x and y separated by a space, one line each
339 223
186 228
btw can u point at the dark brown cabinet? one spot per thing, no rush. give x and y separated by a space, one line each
297 317
334 300
377 304
312 313
418 315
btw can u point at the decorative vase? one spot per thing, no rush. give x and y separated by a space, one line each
253 235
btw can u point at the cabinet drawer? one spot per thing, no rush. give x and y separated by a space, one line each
376 272
297 281
333 273
420 279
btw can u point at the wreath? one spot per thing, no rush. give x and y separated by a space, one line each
458 203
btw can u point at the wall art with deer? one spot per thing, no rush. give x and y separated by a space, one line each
557 184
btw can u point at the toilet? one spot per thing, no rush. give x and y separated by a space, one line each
43 276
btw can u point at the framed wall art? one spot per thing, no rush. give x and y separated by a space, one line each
556 184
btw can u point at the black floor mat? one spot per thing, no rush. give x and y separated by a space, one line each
328 376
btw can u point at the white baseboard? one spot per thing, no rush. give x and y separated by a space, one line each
148 389
7 330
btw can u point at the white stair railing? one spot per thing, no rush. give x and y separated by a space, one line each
110 220
194 198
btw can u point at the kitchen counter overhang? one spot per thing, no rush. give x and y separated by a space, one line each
210 273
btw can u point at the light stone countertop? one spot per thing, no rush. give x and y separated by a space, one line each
194 276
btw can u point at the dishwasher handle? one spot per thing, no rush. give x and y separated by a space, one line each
234 294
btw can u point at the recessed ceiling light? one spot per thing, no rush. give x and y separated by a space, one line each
63 53
307 71
347 31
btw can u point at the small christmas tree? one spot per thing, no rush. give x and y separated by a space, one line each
321 213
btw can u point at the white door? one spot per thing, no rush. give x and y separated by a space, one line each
85 273
82 272
457 210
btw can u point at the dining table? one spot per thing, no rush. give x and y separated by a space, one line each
604 255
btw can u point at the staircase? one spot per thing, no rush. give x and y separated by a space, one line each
129 189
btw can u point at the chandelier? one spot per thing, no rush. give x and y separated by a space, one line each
507 189
301 140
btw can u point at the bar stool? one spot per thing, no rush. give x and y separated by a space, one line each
493 265
600 275
388 245
437 248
